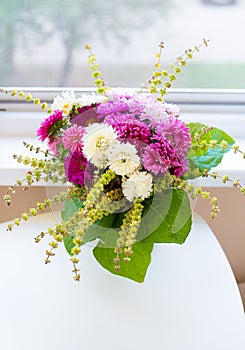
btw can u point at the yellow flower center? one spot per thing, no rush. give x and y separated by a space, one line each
102 143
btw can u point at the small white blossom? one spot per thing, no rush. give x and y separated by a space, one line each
88 100
139 185
64 102
97 139
123 158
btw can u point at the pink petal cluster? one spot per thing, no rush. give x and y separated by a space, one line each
160 158
128 127
177 134
44 130
72 138
111 108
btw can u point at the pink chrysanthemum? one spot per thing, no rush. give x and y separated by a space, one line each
153 161
112 107
75 168
44 130
160 158
128 127
138 102
172 109
177 134
72 138
121 103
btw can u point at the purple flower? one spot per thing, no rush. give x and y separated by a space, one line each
121 103
75 168
171 109
112 107
45 129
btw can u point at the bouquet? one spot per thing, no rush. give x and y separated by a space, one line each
128 162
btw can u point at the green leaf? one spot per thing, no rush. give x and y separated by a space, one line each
106 229
100 229
209 158
167 219
135 269
68 243
70 207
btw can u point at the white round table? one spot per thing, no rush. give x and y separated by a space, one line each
189 300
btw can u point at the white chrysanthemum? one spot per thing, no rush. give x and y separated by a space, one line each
123 158
139 185
96 140
88 100
64 102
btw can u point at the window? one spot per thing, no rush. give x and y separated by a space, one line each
41 43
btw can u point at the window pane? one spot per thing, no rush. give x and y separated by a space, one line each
41 43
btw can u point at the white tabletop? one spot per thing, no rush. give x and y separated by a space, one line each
189 301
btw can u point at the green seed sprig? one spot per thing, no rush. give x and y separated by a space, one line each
225 179
195 192
98 204
40 207
162 80
128 233
95 72
28 98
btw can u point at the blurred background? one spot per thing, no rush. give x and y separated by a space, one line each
42 42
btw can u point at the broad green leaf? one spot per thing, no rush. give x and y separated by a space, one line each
68 243
99 229
70 207
208 158
167 219
136 269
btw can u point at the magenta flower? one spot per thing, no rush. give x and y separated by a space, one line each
72 138
128 127
177 134
75 168
87 115
153 161
160 158
45 130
